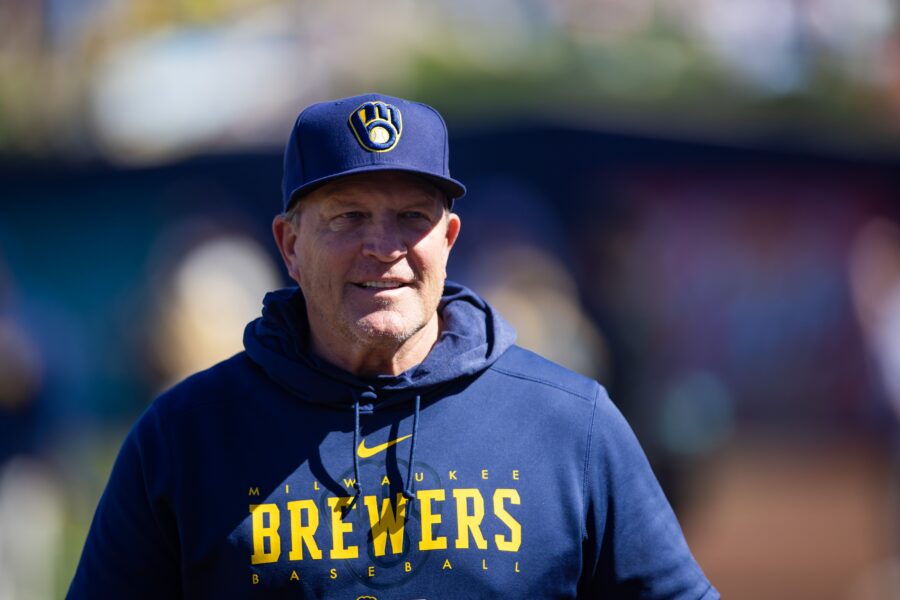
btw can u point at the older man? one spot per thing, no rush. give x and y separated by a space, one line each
381 436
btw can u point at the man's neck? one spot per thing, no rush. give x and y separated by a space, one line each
374 358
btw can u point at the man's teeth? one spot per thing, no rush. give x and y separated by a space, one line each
381 284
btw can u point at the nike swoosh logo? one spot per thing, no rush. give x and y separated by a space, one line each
369 452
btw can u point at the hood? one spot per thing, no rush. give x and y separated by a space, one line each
474 336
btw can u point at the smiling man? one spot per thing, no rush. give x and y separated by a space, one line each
369 253
381 436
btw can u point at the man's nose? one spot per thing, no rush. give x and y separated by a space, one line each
384 241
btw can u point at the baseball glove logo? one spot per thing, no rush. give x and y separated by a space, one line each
376 125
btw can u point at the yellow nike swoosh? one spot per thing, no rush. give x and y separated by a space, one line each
367 452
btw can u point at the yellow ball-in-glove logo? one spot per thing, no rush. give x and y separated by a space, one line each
377 126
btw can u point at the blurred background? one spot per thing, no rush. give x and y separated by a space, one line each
695 201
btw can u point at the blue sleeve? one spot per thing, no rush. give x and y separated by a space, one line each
132 546
633 545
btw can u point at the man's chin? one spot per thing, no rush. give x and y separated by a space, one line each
385 328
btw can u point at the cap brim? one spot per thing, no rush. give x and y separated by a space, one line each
453 188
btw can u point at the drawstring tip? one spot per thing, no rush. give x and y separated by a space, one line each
409 495
355 498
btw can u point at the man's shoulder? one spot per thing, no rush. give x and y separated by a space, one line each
225 381
525 365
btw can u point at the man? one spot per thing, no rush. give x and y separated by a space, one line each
381 436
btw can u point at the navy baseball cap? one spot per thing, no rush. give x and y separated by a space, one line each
366 133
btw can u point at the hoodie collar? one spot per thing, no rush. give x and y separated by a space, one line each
473 337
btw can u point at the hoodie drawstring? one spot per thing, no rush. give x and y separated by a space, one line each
407 492
370 396
356 483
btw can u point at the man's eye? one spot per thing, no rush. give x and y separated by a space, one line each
414 214
352 215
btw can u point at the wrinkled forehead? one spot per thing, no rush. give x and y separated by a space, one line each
378 188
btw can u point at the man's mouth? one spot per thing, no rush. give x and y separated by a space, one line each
382 285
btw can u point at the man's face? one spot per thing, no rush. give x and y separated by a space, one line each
369 252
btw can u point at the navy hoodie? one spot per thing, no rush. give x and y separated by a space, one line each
484 472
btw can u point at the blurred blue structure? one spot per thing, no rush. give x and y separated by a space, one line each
689 256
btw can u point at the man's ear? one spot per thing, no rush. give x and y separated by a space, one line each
285 234
453 226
